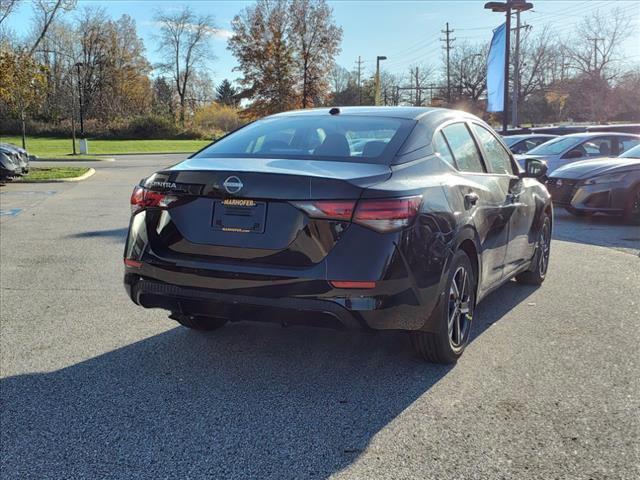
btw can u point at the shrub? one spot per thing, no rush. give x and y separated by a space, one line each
215 118
148 126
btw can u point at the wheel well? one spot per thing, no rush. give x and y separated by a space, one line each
470 249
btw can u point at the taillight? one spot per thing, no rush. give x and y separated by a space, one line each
387 214
380 214
132 263
328 209
142 198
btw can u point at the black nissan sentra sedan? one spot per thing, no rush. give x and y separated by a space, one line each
358 217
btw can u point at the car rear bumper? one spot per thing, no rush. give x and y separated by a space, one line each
153 294
393 304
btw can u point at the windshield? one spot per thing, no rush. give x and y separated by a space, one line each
554 147
510 141
632 152
315 136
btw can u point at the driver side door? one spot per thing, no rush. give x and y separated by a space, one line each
521 240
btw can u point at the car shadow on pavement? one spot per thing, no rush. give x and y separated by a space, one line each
600 230
115 233
248 401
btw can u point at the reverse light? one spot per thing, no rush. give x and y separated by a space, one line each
387 214
360 285
142 198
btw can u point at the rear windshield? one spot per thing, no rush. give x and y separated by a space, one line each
335 137
632 153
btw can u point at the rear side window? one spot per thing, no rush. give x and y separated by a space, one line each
628 142
497 157
598 147
463 147
442 149
306 137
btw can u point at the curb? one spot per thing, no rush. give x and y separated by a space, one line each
84 176
73 160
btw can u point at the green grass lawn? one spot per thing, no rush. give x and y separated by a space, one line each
52 173
59 147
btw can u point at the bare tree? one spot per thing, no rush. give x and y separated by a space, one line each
6 7
538 58
316 42
46 11
184 40
469 70
417 83
595 49
340 78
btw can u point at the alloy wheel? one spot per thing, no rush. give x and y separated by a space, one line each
460 308
544 246
635 206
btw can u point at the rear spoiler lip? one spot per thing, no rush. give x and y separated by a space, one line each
338 170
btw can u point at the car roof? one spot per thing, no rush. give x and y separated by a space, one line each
598 134
410 113
529 135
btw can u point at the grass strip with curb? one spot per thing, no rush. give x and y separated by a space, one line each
53 147
57 174
74 158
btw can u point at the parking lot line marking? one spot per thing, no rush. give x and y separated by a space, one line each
31 192
12 212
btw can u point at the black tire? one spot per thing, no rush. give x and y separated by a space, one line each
632 208
197 322
454 315
540 263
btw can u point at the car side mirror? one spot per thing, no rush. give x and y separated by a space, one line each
534 168
573 154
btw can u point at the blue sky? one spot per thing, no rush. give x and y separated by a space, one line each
407 32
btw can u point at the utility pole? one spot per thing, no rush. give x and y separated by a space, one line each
78 65
359 62
516 71
448 41
418 96
595 41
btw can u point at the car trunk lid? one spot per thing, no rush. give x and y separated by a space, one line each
232 209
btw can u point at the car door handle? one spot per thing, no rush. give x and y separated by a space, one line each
470 199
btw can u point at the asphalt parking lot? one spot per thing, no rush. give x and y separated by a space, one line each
94 387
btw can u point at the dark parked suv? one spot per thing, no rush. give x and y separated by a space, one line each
362 217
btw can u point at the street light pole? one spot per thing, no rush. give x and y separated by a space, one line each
507 7
377 80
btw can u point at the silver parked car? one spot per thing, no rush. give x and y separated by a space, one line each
523 143
606 185
12 162
581 146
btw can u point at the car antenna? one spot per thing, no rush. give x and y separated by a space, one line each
334 111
